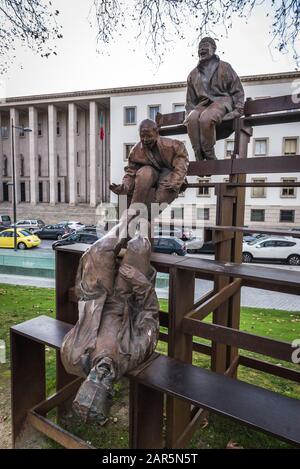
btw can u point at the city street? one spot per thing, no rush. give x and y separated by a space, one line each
250 297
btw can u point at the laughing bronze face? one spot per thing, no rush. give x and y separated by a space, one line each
207 49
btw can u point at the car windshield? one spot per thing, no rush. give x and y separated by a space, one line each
254 241
25 233
5 218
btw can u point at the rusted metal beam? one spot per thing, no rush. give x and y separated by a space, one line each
226 335
56 433
215 301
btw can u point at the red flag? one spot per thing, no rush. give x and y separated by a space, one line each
101 127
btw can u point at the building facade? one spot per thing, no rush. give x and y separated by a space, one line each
80 142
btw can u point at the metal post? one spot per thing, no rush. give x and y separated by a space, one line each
14 184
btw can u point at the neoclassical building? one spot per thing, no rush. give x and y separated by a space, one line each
79 143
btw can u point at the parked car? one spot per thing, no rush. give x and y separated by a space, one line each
53 231
198 247
174 232
273 248
73 225
81 237
169 245
248 238
5 222
30 225
25 239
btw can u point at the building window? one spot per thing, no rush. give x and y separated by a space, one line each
229 148
40 129
57 165
204 191
177 213
78 189
130 115
152 111
260 146
78 159
202 213
21 131
179 107
288 192
290 146
257 215
39 165
4 132
5 171
23 192
258 192
287 216
127 149
5 192
58 128
77 127
40 192
59 191
21 165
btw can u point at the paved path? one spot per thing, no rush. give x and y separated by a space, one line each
250 296
27 281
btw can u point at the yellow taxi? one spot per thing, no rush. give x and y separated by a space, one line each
25 239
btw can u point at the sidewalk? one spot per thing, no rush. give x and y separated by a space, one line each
251 297
27 281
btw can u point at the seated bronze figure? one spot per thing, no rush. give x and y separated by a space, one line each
214 94
156 169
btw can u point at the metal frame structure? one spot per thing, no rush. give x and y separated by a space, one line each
184 320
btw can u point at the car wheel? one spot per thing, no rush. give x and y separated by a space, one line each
22 246
294 259
59 237
174 254
247 257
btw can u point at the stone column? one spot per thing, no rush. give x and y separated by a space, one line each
52 122
72 154
14 115
93 153
33 157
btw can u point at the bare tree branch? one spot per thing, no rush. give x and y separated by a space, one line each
29 22
158 22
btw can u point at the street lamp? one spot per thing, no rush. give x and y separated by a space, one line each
23 129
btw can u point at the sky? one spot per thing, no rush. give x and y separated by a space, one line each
79 67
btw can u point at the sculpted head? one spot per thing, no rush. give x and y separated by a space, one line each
207 48
148 133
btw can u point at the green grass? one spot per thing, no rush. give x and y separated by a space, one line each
21 303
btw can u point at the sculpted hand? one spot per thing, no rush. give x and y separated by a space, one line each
233 114
118 189
127 271
168 185
133 275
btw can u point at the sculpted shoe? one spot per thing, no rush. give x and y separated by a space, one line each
95 396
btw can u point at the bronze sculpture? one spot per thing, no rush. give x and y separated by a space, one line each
214 94
156 169
118 322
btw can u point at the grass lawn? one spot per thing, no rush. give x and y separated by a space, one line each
21 303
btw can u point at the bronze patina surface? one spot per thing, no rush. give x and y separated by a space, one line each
214 94
118 323
156 169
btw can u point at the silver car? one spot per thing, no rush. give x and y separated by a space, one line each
30 225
